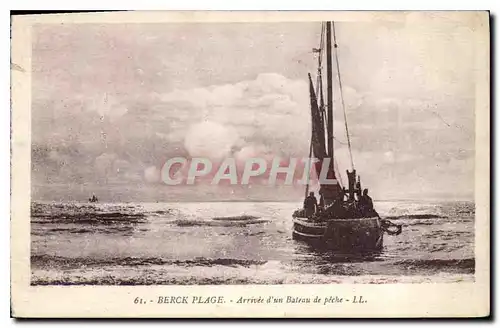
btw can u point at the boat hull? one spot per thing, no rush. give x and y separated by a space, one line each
347 235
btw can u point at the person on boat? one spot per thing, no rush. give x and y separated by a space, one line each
310 205
336 208
358 189
344 194
365 203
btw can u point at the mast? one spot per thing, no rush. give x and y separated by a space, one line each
322 141
329 80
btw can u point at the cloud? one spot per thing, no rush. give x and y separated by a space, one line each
152 174
222 95
104 163
110 103
266 117
107 107
211 140
266 110
126 137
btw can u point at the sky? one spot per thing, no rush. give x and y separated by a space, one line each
112 102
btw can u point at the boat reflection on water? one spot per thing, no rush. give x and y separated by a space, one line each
323 261
319 254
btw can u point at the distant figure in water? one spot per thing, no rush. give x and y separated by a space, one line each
93 199
310 205
366 203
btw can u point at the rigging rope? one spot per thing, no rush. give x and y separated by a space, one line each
342 95
386 226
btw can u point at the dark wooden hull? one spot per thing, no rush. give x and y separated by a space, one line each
346 235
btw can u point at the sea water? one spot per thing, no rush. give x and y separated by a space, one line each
238 243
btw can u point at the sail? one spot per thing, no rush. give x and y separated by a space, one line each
332 189
318 126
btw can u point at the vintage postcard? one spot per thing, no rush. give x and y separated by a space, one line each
251 164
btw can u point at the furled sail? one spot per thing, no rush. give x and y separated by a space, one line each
318 127
330 190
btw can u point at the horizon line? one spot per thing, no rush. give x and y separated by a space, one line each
255 201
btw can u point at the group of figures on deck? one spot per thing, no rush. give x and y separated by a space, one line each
349 204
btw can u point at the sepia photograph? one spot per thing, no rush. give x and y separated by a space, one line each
312 152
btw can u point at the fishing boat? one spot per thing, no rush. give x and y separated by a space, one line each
344 219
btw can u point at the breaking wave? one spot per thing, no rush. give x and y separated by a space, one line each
415 216
467 264
236 218
91 218
59 261
218 223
